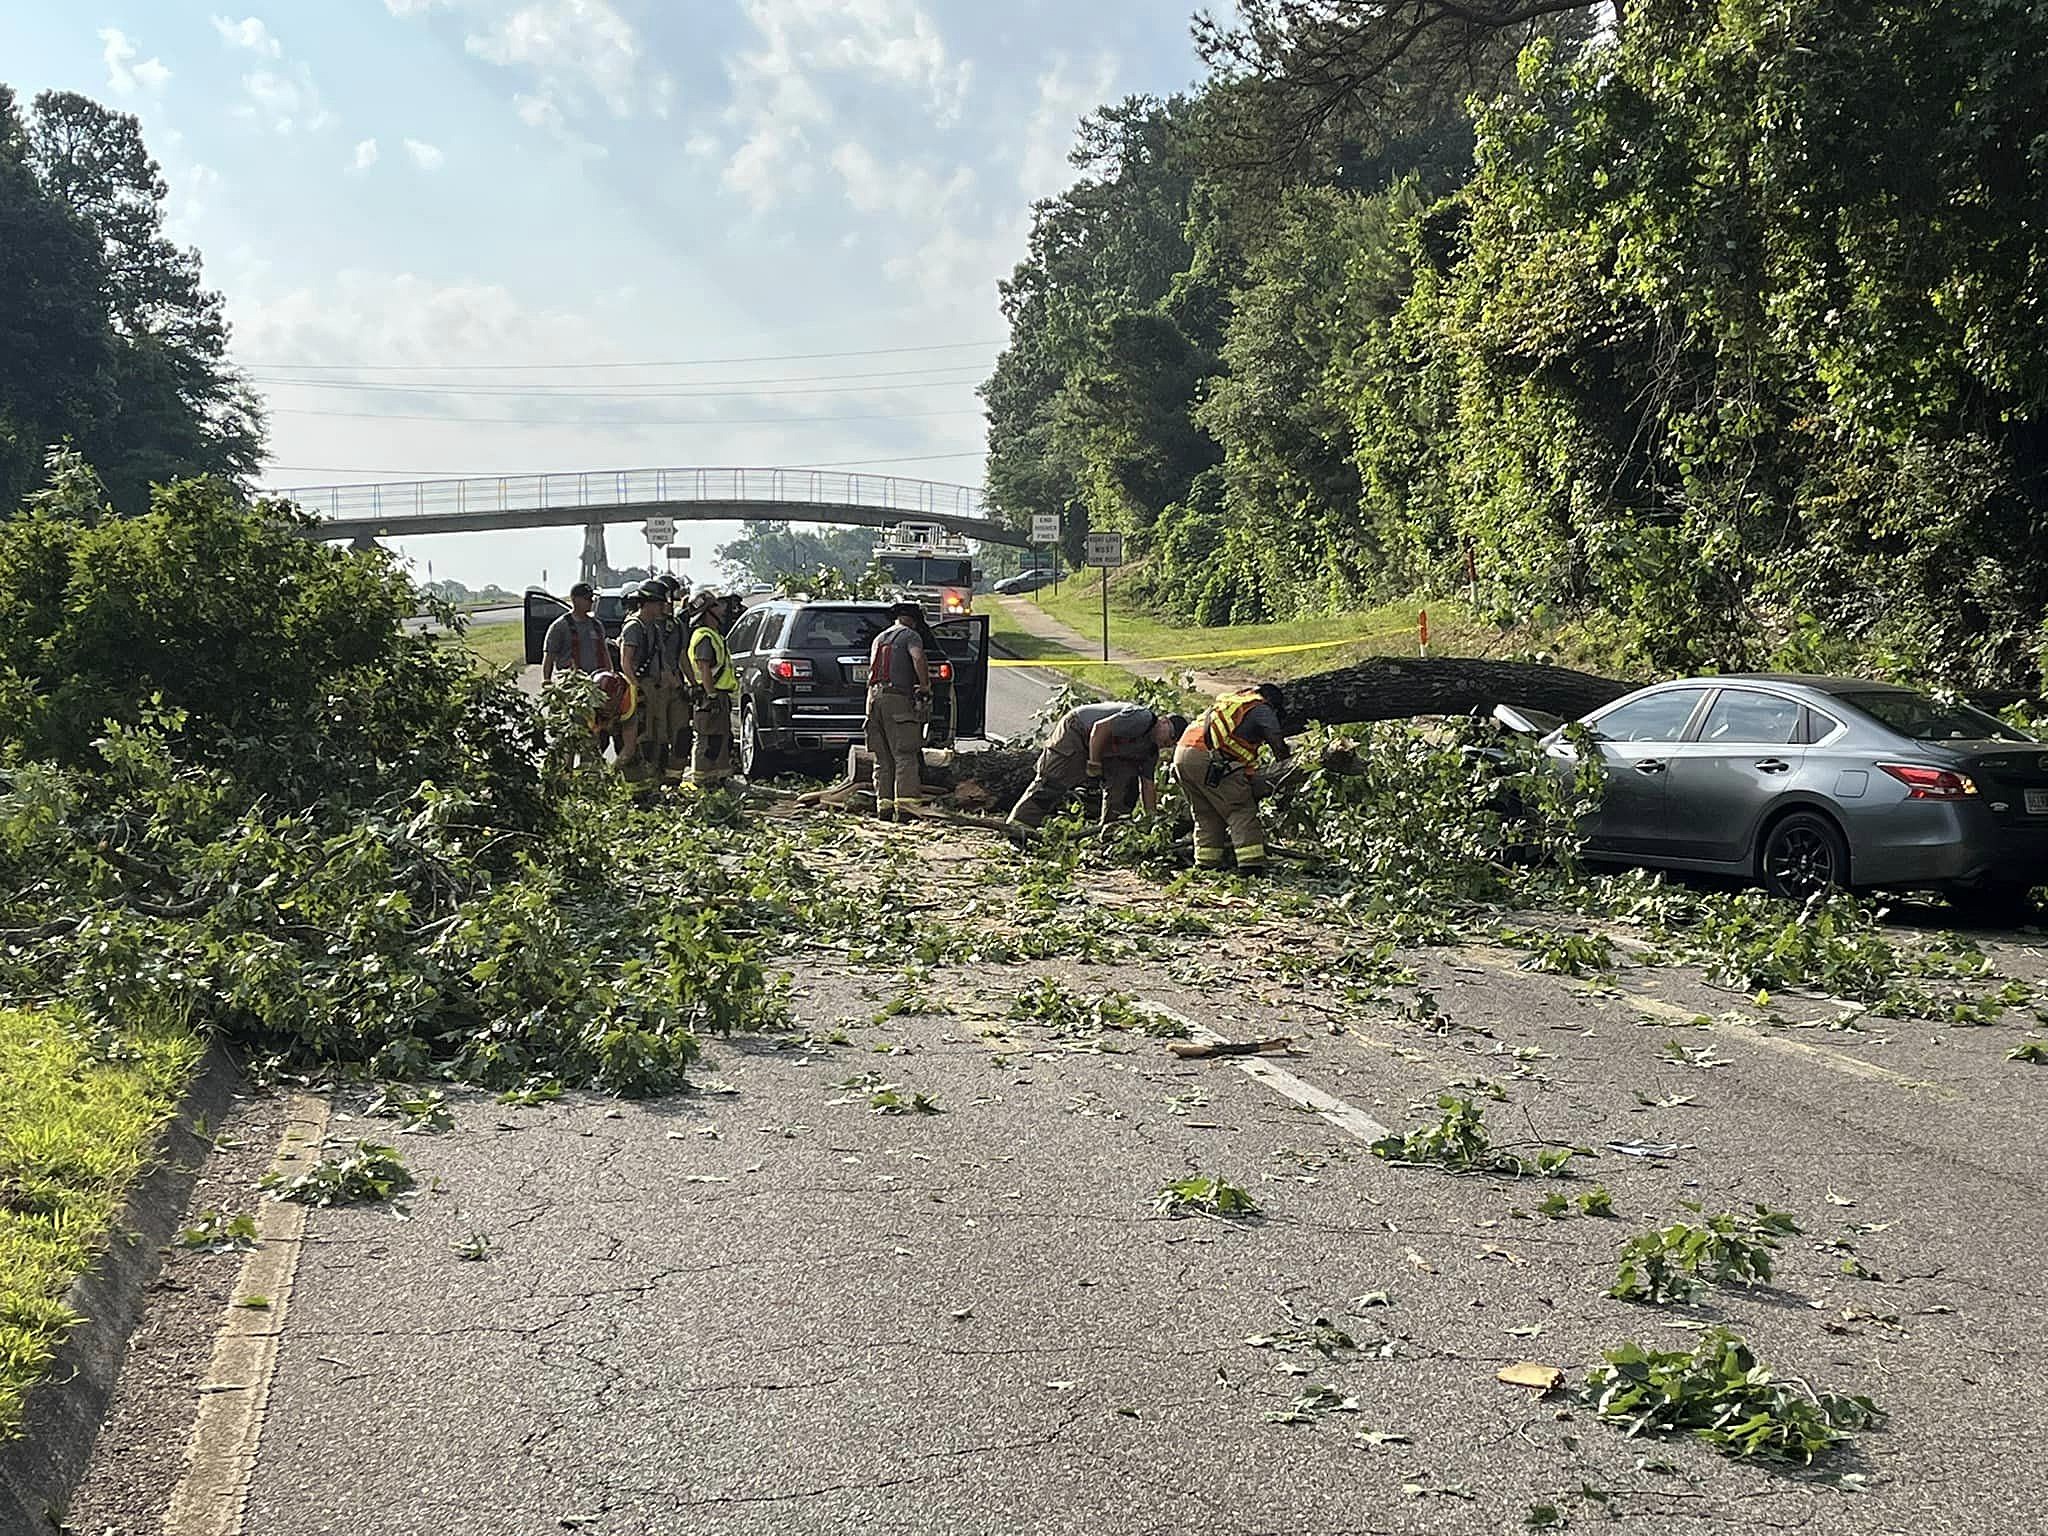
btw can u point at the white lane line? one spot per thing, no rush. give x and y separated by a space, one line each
1348 1118
212 1495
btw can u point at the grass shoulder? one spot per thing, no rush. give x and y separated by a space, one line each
1386 629
80 1119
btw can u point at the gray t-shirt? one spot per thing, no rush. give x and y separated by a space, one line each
1130 729
576 643
904 646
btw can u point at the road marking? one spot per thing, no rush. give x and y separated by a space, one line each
1820 1055
211 1497
1348 1118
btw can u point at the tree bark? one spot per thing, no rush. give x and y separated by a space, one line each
1401 687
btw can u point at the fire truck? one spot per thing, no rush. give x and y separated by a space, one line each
930 565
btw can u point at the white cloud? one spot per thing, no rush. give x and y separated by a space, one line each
249 33
701 146
576 50
777 105
908 191
427 157
366 155
125 75
281 95
1063 100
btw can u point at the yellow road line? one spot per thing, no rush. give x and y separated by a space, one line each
211 1497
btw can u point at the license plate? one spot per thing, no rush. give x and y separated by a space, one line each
860 673
2037 802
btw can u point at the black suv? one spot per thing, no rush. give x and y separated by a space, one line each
803 671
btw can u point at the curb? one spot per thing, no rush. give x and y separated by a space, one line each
40 1468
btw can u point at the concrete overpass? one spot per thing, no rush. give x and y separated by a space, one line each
593 498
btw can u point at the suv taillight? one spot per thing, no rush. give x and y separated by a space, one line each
943 671
1932 783
787 669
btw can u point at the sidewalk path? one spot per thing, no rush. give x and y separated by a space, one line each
1043 625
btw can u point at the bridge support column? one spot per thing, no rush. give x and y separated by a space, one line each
363 544
596 561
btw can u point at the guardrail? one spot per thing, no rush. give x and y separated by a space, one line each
634 487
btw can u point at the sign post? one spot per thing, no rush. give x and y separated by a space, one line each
657 531
1106 552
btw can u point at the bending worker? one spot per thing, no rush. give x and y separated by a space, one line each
1115 746
899 704
717 685
1217 764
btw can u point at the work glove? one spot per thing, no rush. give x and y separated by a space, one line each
1095 770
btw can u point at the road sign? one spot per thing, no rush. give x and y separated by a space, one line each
679 551
1045 527
660 530
1103 549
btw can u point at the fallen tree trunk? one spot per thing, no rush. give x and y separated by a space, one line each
1385 688
1401 687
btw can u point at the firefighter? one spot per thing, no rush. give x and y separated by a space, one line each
714 688
575 642
675 637
1114 747
1217 767
648 735
899 705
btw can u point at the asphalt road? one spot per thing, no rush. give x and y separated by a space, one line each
763 1308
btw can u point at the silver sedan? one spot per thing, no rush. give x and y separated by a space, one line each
1810 783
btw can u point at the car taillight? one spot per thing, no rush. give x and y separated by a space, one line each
787 669
943 671
1932 783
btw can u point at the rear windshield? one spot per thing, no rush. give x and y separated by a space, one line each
836 629
611 610
1921 718
916 572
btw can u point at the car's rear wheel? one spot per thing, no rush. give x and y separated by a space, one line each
756 761
1994 901
1803 855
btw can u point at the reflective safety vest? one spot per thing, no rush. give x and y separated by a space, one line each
1218 729
723 678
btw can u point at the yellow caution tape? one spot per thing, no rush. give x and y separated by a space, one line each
1157 661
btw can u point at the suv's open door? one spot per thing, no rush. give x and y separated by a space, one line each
966 645
542 609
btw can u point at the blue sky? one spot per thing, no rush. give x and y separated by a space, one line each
401 197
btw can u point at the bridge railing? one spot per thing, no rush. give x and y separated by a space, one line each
631 487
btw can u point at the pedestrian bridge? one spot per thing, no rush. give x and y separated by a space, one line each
592 497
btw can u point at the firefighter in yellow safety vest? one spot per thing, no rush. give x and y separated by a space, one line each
716 685
1217 765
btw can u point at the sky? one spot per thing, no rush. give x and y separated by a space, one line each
441 226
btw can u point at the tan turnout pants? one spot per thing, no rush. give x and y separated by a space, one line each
711 750
644 740
896 741
1062 769
1226 812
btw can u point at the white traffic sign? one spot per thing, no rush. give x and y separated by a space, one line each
1103 549
660 530
1045 527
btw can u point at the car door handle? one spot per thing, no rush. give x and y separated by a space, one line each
1650 765
1773 765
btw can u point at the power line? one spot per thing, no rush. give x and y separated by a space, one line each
628 391
696 362
535 474
592 421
